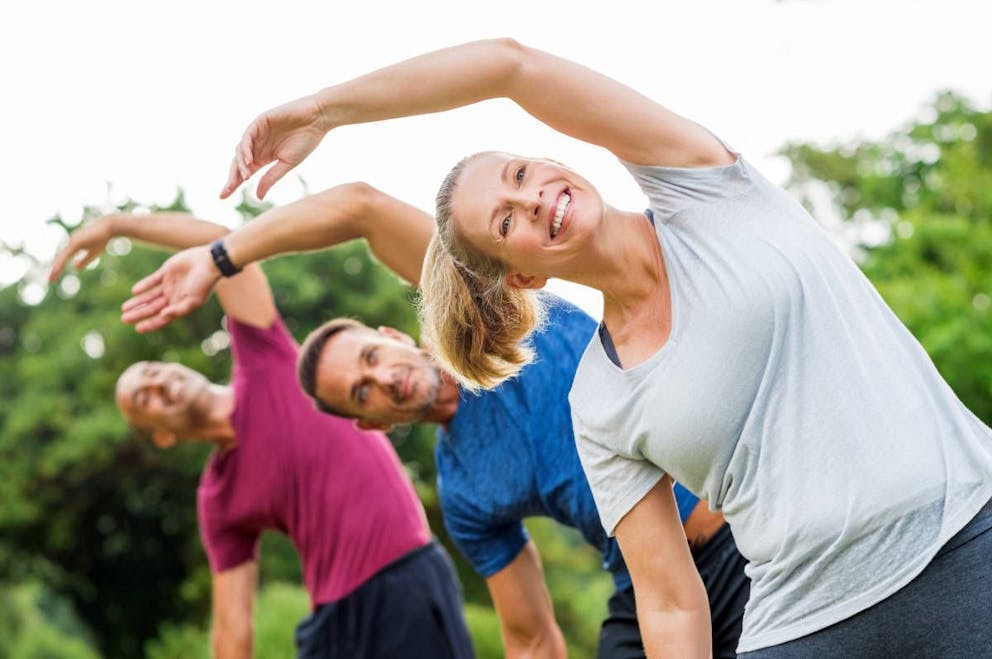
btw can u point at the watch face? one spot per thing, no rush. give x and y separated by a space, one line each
222 260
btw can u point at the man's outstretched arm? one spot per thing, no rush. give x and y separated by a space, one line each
246 297
231 631
397 234
523 605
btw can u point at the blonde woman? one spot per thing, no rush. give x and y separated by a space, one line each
740 353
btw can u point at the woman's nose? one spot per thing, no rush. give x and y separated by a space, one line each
531 202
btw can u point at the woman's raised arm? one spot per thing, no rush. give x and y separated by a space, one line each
564 95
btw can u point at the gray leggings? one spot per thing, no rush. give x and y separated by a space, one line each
946 611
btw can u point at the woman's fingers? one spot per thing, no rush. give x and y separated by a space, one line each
273 174
59 262
246 149
233 179
85 259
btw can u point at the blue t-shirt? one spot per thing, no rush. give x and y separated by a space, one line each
509 453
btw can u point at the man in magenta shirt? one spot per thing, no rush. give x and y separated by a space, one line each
379 585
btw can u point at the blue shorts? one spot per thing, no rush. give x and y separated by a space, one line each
410 609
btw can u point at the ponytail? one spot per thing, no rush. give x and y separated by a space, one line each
475 324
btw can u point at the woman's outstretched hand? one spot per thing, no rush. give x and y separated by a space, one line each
179 286
284 135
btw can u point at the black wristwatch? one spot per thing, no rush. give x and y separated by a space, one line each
222 260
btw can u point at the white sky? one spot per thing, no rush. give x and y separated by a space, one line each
146 96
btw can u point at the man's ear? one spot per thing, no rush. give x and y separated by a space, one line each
396 335
164 438
520 280
368 424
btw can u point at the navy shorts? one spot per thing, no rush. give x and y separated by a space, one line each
411 609
944 613
721 568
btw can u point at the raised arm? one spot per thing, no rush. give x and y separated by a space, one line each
397 234
246 297
231 632
672 607
168 230
526 616
564 95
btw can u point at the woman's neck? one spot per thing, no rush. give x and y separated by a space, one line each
630 273
626 266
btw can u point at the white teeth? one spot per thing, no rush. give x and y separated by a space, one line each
559 214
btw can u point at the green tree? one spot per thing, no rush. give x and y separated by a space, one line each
37 624
921 202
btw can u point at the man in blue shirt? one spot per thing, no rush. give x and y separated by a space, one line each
502 455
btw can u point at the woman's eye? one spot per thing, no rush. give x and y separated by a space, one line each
363 393
373 356
504 226
518 176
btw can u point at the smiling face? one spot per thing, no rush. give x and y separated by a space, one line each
534 216
377 376
163 397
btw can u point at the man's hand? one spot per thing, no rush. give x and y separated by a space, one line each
86 243
180 285
285 135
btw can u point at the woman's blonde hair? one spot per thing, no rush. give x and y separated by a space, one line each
476 325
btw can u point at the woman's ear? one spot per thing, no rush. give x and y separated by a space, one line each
520 280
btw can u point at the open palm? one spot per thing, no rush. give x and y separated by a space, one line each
181 285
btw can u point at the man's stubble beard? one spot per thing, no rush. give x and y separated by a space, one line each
434 388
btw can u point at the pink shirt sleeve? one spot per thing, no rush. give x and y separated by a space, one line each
226 547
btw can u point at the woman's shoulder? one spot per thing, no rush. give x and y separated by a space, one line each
673 189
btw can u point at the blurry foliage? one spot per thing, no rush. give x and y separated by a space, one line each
483 625
279 607
99 550
927 190
37 624
579 586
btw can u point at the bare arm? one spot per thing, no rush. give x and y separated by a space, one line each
168 230
564 95
526 617
397 234
672 607
246 297
231 633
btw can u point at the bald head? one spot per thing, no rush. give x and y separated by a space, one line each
161 399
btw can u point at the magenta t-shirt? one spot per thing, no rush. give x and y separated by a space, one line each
339 493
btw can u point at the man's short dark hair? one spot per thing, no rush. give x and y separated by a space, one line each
310 352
